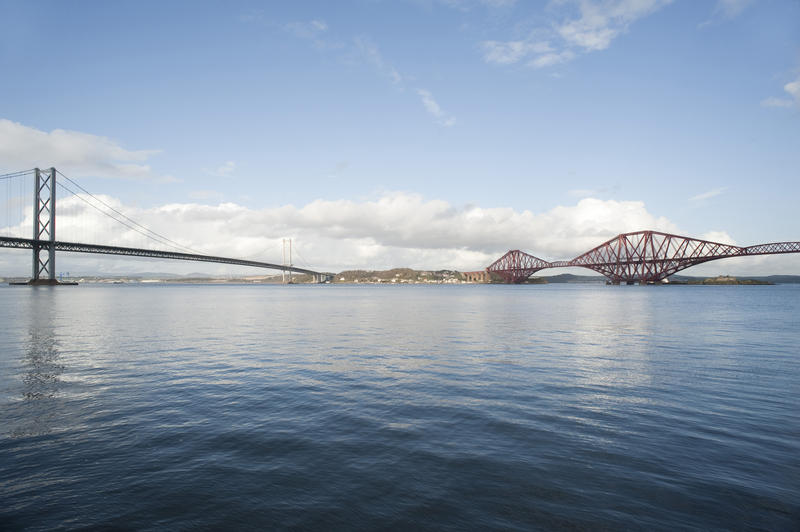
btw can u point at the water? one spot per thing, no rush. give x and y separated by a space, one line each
399 407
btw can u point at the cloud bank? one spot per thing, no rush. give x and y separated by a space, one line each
24 147
397 229
394 230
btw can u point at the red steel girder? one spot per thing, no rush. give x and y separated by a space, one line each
773 248
651 256
641 256
516 266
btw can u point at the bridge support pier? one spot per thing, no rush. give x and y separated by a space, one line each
44 228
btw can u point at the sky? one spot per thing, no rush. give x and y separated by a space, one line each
420 133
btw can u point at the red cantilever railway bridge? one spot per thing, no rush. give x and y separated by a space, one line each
642 256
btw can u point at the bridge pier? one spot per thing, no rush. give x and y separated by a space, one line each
44 228
320 278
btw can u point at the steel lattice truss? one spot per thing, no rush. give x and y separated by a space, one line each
642 256
516 266
650 256
773 249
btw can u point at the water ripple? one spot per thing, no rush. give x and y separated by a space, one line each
441 408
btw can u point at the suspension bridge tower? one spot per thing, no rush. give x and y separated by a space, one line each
44 227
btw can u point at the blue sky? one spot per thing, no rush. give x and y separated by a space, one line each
539 125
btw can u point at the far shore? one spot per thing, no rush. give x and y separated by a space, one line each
398 276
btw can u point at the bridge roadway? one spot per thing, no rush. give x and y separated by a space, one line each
29 243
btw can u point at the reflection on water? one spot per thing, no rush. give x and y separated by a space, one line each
489 407
43 366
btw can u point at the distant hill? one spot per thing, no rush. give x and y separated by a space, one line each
779 279
682 279
773 279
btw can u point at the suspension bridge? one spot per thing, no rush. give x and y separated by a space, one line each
644 257
38 219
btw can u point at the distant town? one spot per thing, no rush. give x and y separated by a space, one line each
397 276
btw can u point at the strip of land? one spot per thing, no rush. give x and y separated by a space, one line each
401 276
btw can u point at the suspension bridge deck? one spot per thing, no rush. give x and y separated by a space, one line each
76 247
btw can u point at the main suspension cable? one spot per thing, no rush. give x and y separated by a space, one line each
149 233
15 174
131 227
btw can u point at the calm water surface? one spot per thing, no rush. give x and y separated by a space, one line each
387 407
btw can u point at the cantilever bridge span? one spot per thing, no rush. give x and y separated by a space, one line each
641 256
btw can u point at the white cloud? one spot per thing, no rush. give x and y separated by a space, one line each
792 89
434 109
23 147
776 102
367 50
225 170
589 26
719 236
363 50
552 59
512 51
601 22
708 194
370 53
396 229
